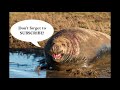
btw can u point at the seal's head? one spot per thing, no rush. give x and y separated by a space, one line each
58 49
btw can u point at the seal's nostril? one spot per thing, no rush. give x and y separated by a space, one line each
63 44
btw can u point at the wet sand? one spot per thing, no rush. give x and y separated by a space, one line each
100 69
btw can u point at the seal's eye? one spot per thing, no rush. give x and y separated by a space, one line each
63 44
52 44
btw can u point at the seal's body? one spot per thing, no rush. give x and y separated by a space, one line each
76 46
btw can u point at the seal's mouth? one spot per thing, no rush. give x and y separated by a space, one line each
56 56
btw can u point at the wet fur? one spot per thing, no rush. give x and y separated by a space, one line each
83 46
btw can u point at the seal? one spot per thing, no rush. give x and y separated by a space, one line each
81 46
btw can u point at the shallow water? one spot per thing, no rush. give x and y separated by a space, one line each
23 66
